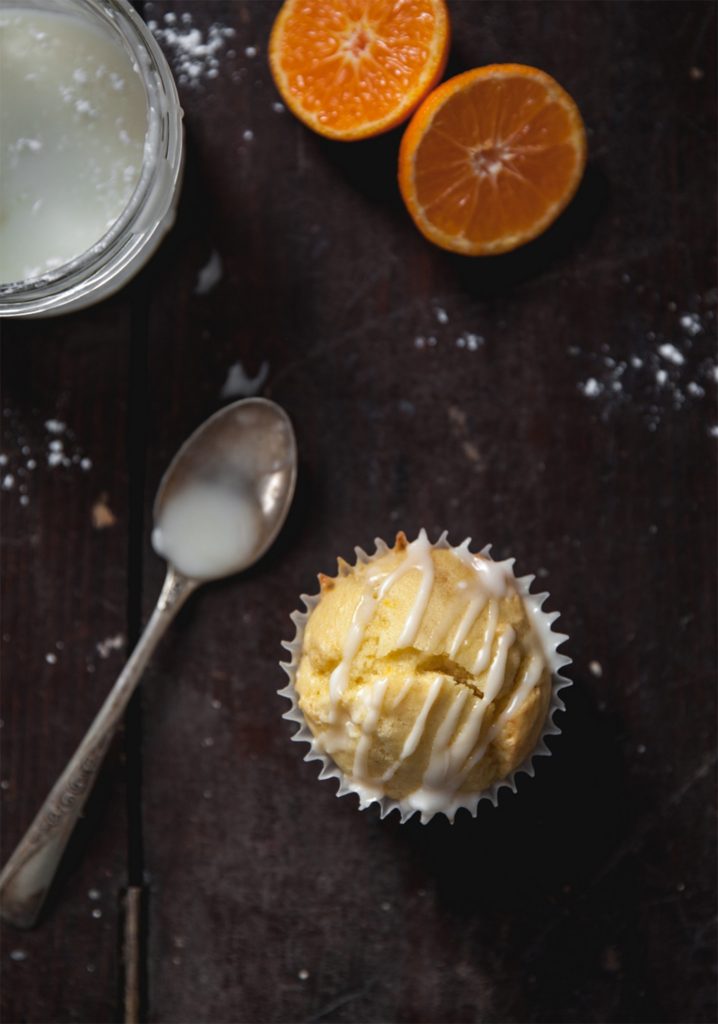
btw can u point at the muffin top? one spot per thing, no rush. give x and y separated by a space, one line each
424 673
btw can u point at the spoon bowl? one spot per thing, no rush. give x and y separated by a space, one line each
226 493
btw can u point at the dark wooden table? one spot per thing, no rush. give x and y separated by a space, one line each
548 417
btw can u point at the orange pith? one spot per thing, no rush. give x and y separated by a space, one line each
491 158
354 68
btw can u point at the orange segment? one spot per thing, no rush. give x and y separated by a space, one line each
491 158
354 68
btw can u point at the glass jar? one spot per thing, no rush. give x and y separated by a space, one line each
149 213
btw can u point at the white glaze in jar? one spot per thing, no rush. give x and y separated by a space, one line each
91 152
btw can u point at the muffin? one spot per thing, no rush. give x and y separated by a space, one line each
424 676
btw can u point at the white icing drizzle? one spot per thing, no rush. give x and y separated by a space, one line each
446 769
531 677
405 687
339 679
482 658
493 577
454 750
495 675
417 730
418 557
474 608
368 726
444 752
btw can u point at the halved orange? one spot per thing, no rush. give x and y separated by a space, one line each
351 69
491 158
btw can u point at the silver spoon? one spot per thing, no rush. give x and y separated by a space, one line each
244 460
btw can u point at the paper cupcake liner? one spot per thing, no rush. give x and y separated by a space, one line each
550 642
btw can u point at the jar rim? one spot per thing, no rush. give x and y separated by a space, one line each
98 264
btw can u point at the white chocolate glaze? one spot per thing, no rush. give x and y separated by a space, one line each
339 678
207 530
405 687
73 123
474 608
376 699
417 731
418 557
482 658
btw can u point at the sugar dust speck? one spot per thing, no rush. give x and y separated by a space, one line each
194 52
671 354
591 387
691 324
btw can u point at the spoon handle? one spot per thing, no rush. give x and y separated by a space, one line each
27 876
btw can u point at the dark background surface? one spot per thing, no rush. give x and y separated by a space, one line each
590 895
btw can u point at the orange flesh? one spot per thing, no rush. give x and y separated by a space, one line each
349 67
497 162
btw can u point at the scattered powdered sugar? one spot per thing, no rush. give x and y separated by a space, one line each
209 275
240 385
111 643
33 145
103 649
58 450
61 449
194 53
691 324
591 387
671 353
668 374
470 341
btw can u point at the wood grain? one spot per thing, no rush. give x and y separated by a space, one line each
588 897
64 591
